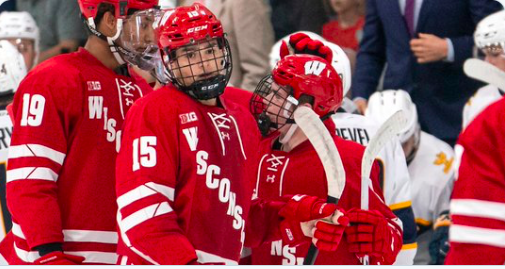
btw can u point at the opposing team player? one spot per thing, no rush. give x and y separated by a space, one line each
478 200
430 167
12 71
490 39
395 179
289 165
68 115
185 169
20 29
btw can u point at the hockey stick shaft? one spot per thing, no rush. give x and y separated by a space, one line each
387 131
319 136
485 72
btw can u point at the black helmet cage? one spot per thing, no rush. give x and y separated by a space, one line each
206 88
270 96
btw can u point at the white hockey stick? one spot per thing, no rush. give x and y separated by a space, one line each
388 130
319 136
485 72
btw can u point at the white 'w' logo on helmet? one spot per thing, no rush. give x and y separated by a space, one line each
314 68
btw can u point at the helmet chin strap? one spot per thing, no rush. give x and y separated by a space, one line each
110 40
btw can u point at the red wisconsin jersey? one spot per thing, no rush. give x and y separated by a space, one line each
301 172
60 179
477 235
182 180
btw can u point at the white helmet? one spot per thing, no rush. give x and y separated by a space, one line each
20 25
381 105
340 61
342 65
12 68
491 31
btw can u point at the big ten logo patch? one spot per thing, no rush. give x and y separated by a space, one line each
94 86
188 117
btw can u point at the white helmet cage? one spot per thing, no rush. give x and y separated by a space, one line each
20 25
340 62
12 68
490 32
383 104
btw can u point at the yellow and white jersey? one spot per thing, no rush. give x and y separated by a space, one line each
395 179
479 101
432 178
5 140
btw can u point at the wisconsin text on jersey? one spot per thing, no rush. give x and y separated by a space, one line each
127 91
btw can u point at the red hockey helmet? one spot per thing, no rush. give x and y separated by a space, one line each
89 8
296 78
142 4
195 51
188 24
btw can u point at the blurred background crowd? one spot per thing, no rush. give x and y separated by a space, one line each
415 45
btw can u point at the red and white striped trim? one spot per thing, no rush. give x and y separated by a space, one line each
143 191
478 208
205 257
144 214
89 256
72 235
41 173
36 150
474 235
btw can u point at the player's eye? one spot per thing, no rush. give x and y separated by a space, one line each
191 54
210 50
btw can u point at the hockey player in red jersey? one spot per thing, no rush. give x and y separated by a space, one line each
68 115
185 169
289 164
477 206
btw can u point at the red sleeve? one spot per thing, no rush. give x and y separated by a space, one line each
477 233
146 170
263 222
43 114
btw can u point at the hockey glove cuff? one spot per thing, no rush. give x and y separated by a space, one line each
302 211
59 258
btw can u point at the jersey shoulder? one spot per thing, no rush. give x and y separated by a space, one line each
486 123
237 96
435 157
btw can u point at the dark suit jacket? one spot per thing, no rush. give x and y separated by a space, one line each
439 89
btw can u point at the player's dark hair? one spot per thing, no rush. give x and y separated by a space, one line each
102 9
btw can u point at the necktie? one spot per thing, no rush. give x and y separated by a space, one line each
409 15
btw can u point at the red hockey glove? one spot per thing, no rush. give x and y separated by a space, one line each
370 234
303 44
299 209
326 236
59 258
